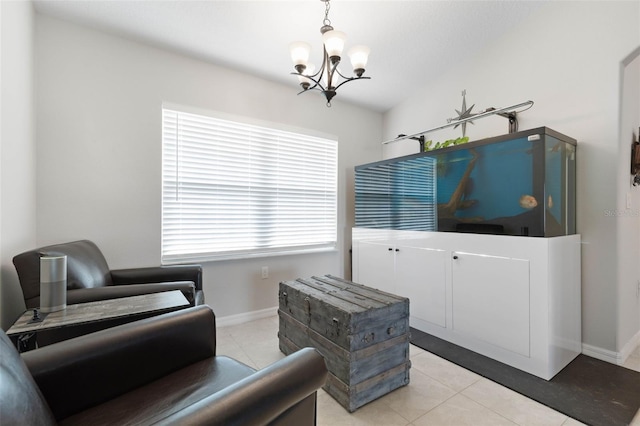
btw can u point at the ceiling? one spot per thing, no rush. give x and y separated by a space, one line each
411 41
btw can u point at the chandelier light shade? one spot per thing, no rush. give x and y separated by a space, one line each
334 44
328 78
359 56
300 53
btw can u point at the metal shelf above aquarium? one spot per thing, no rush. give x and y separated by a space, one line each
510 113
520 183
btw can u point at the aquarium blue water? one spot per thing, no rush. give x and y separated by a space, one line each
500 176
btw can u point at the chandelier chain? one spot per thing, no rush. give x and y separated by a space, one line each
326 20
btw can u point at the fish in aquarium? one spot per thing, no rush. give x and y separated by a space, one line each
528 202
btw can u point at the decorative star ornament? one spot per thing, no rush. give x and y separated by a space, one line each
464 113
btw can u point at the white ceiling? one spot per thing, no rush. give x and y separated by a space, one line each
411 41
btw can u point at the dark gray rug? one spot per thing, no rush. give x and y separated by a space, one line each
589 390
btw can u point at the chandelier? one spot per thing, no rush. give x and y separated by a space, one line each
328 79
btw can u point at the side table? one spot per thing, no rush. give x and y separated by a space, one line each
88 317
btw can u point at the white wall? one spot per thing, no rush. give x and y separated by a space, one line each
17 151
98 103
566 58
628 223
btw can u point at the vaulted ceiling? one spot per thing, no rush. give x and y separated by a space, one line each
411 41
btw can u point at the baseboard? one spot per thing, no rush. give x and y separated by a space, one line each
617 358
245 317
601 354
629 347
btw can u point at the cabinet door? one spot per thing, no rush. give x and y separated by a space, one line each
490 298
421 276
376 265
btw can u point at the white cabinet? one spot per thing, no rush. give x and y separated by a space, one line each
377 260
490 299
514 299
414 272
421 276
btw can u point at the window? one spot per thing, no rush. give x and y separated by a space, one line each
232 190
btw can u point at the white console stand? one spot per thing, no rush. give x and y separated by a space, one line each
514 299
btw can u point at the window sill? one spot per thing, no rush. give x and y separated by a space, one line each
206 258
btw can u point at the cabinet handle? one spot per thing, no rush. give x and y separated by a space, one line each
390 248
455 257
397 249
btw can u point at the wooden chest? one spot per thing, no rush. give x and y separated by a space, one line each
363 334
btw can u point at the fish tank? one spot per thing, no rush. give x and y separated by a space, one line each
521 183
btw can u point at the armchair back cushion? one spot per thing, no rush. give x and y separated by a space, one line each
21 401
86 267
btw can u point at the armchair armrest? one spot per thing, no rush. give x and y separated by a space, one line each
262 397
99 366
83 295
158 274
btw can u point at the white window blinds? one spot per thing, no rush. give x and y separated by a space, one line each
233 190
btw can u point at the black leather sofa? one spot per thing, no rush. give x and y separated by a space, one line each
162 370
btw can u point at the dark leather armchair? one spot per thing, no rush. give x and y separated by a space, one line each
89 277
161 370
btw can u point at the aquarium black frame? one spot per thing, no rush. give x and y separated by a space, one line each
540 177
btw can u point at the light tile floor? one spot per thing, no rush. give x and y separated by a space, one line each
439 393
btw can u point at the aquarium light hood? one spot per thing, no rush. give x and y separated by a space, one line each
508 112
